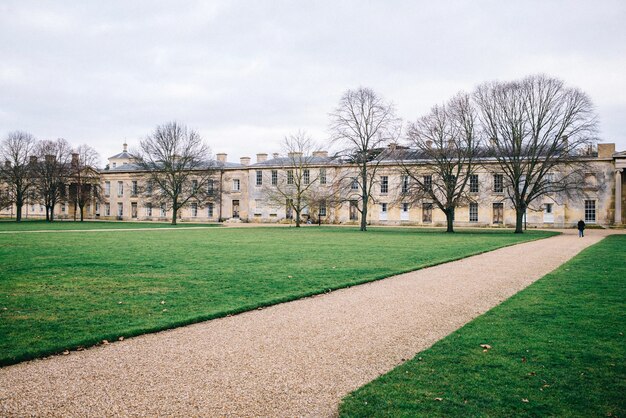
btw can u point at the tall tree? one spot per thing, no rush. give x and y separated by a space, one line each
84 180
537 128
362 125
445 144
50 173
295 180
16 152
178 166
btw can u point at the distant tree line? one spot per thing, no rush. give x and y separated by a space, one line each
530 130
47 172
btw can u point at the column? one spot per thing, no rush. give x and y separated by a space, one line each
618 196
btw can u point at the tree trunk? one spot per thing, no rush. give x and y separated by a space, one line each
174 213
47 213
519 220
18 209
297 219
364 201
52 214
450 220
82 209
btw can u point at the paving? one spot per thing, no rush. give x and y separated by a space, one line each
294 359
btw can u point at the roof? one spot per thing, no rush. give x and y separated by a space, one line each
135 167
286 161
122 155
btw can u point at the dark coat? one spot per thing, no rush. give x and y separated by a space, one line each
581 225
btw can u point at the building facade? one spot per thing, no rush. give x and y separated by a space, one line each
239 193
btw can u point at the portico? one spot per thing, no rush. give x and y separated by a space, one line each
620 165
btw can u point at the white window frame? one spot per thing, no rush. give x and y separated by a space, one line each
384 184
236 185
473 212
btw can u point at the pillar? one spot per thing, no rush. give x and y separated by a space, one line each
618 196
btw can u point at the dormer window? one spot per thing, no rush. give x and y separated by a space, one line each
114 165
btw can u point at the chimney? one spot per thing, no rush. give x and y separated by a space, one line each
261 157
49 158
429 144
74 159
125 147
606 150
275 155
393 146
320 154
221 157
33 159
294 155
245 160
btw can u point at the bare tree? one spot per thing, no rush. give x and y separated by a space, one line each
178 166
50 173
16 152
84 179
362 125
442 154
537 128
294 183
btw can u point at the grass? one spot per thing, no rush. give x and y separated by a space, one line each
558 349
39 225
65 290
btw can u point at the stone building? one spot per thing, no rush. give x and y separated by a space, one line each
239 194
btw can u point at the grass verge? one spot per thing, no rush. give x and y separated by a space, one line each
557 349
39 225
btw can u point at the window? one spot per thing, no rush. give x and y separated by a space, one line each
120 188
355 184
322 176
107 188
64 208
473 183
194 186
210 188
322 209
498 183
427 212
549 182
289 209
405 184
274 177
107 209
149 187
120 209
383 207
148 209
384 184
289 176
473 212
133 189
210 210
428 183
498 213
194 210
590 211
114 165
32 207
548 207
306 176
259 178
97 208
354 210
405 207
163 210
236 185
133 210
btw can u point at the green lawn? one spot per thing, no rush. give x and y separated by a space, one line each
38 225
558 349
71 289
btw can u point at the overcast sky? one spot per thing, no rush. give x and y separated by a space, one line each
245 74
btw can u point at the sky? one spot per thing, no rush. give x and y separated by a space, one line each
245 74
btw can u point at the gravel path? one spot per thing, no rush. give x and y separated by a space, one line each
295 359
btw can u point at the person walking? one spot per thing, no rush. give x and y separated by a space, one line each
581 228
